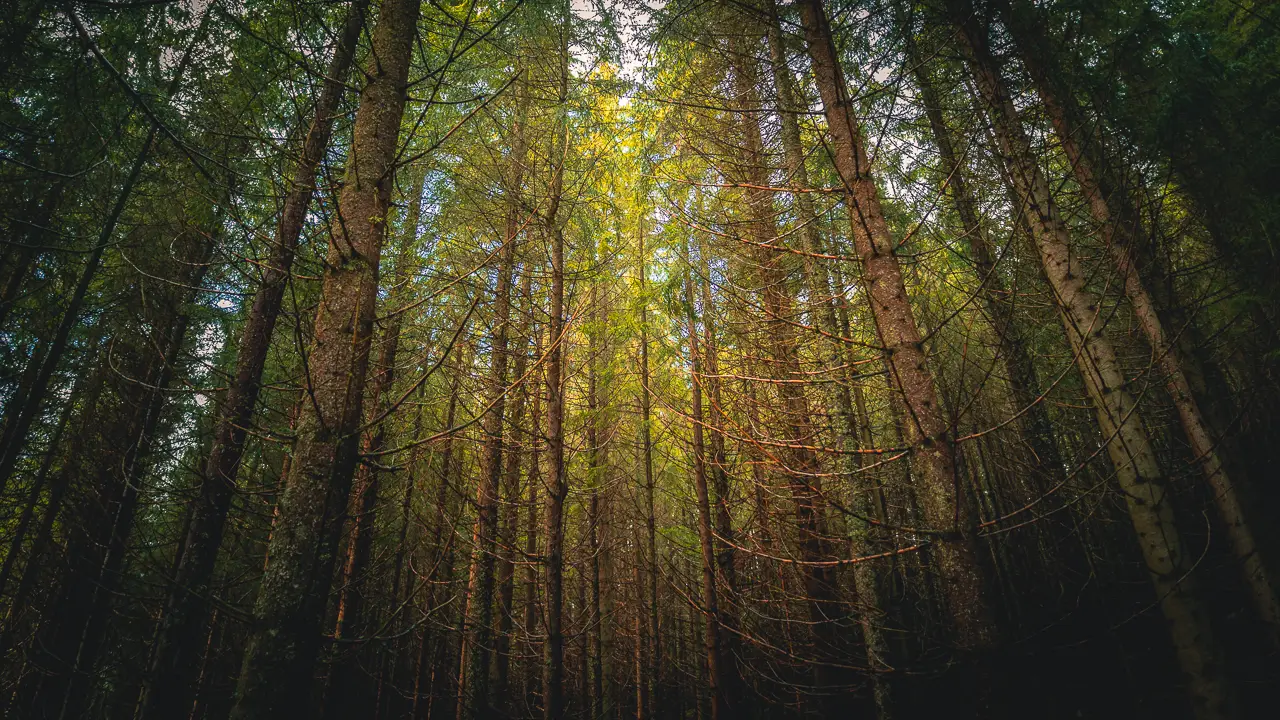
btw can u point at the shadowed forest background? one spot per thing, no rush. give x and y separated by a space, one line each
715 359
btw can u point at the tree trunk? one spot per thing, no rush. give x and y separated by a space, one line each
14 433
596 477
727 583
352 688
516 450
648 641
1137 471
478 625
706 539
802 465
866 581
177 658
557 483
1119 225
954 549
531 520
281 653
1024 382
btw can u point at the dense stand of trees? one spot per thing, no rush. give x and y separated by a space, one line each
717 359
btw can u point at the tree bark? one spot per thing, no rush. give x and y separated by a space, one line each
177 659
478 625
866 580
727 583
954 549
1119 225
281 653
802 465
1137 470
351 689
557 483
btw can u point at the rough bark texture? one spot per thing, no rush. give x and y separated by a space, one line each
866 581
1119 225
557 480
177 659
281 653
352 691
1137 470
954 549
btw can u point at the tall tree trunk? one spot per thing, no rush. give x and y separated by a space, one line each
13 436
557 490
596 478
281 653
727 583
954 549
177 658
352 690
1137 470
725 551
531 519
1024 382
866 581
1119 225
648 640
557 483
720 701
478 624
516 451
803 467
